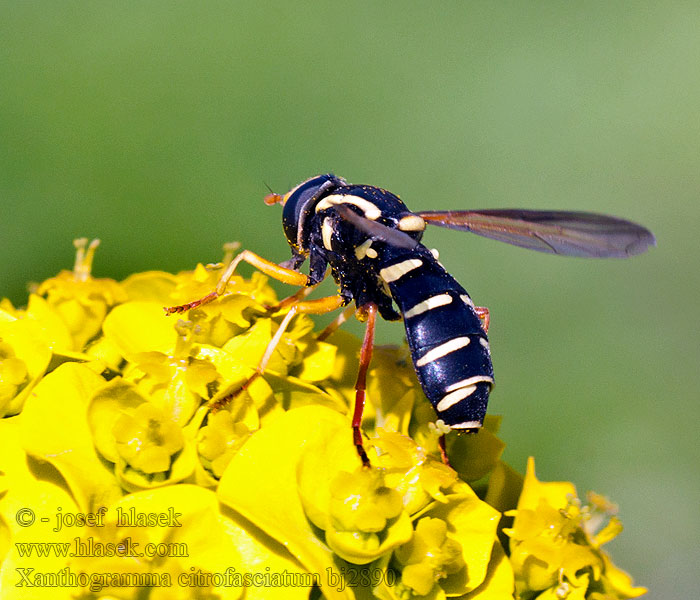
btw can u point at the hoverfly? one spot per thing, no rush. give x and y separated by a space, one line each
371 242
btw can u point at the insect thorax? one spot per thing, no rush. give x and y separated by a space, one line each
354 257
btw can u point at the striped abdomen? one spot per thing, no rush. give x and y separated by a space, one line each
449 348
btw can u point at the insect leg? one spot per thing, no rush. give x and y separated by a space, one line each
335 323
266 266
370 310
318 306
443 450
291 300
483 313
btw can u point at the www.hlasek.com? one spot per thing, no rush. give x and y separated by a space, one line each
96 582
90 547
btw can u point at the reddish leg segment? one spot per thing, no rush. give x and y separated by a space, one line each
335 323
361 384
443 450
483 313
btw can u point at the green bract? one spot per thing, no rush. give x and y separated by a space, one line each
117 481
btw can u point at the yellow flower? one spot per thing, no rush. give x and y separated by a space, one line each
232 312
146 444
110 403
419 477
147 439
361 509
220 439
430 556
555 543
80 300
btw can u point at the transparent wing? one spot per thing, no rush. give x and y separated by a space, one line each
557 232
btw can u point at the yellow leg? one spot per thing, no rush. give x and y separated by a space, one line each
268 267
264 265
316 307
321 306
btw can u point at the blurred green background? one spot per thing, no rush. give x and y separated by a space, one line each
155 126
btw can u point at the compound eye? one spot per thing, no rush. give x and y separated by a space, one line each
299 208
308 190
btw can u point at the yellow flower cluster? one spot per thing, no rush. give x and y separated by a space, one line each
116 481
